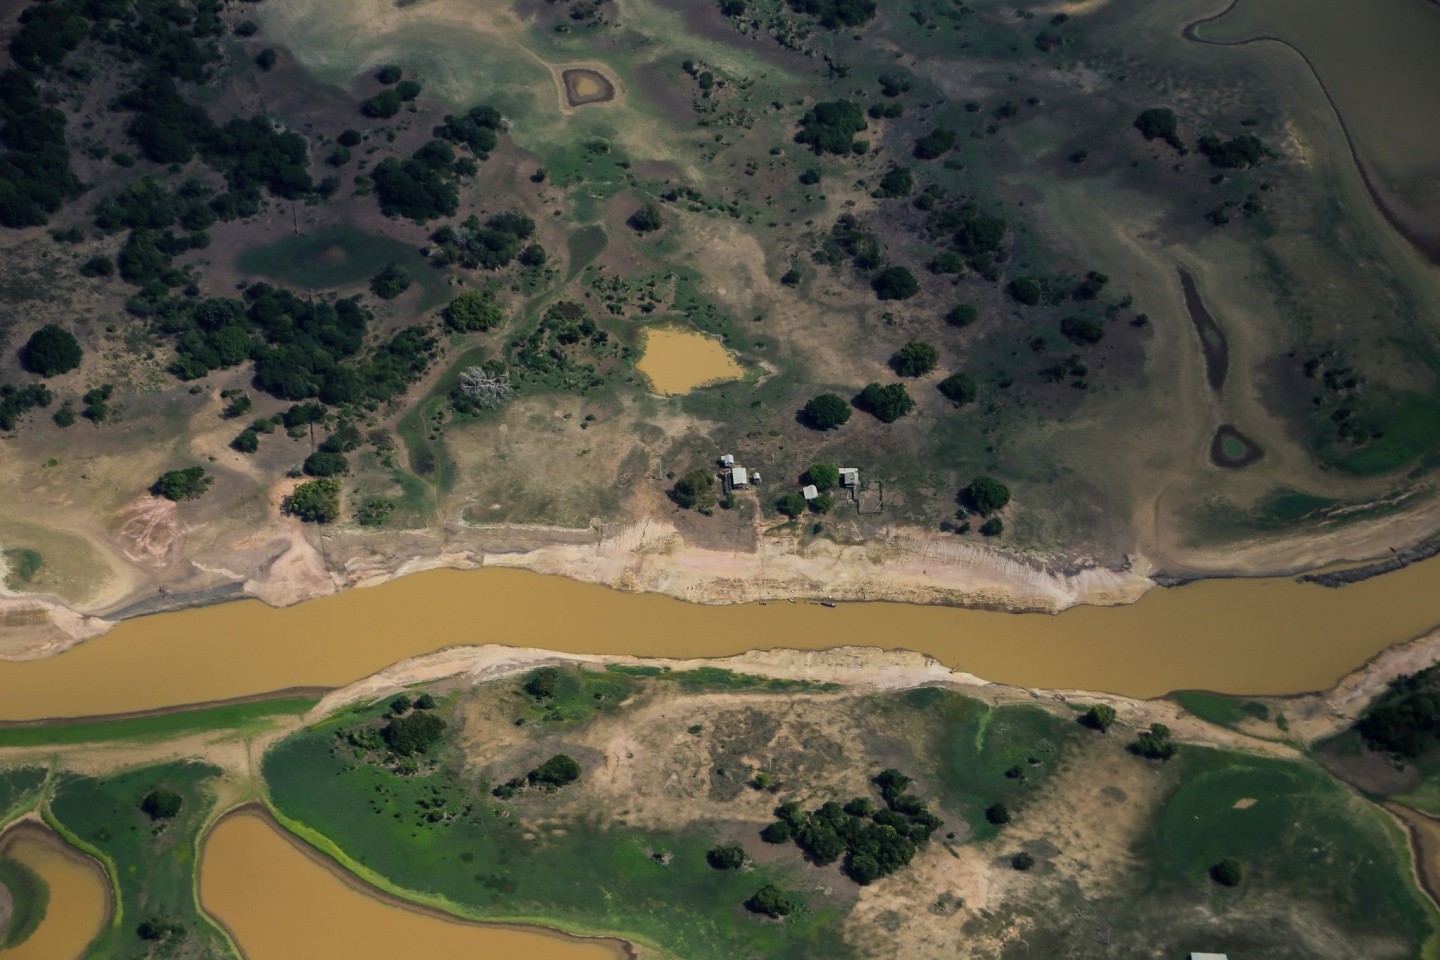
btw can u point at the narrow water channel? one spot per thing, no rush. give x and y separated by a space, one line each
79 896
280 904
1235 636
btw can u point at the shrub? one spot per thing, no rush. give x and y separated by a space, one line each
324 463
400 705
1024 290
825 412
791 277
887 404
959 389
646 220
934 144
1159 122
407 90
992 527
382 106
985 495
825 476
1022 861
1100 717
161 804
915 359
390 282
266 59
473 310
792 505
186 484
771 901
777 832
98 266
830 127
350 138
731 856
695 490
413 733
961 315
1243 151
1081 331
997 814
556 772
50 351
1154 744
543 682
389 74
315 501
895 283
374 511
898 182
1228 872
247 441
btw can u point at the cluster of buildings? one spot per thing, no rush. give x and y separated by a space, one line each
737 477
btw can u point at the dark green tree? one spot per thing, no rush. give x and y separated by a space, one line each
413 733
895 283
316 501
50 351
934 144
1024 290
324 463
556 772
998 814
825 412
886 404
1228 872
985 495
161 804
915 359
1022 861
959 389
792 505
390 282
830 127
777 832
1154 744
825 476
730 856
266 59
186 484
961 315
647 219
1100 717
771 901
695 490
542 682
992 527
388 74
473 310
1160 122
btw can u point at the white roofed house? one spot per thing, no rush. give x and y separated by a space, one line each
850 476
809 492
727 460
739 477
1208 956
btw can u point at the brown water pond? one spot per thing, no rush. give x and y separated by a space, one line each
1235 636
678 361
280 903
79 895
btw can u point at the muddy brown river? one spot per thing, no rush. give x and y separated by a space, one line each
1235 636
283 905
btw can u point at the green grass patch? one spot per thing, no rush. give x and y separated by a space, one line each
1220 710
153 862
1293 828
439 837
340 257
236 717
1411 423
21 565
17 790
29 896
988 755
585 245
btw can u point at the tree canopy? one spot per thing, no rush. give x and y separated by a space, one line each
771 901
895 283
1160 122
985 495
887 404
830 127
959 389
161 804
647 219
315 501
186 484
413 733
556 772
50 351
695 490
915 359
825 412
825 476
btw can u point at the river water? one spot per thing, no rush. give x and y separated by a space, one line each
678 361
283 905
79 896
1234 636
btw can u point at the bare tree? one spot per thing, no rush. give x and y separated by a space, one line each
487 390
